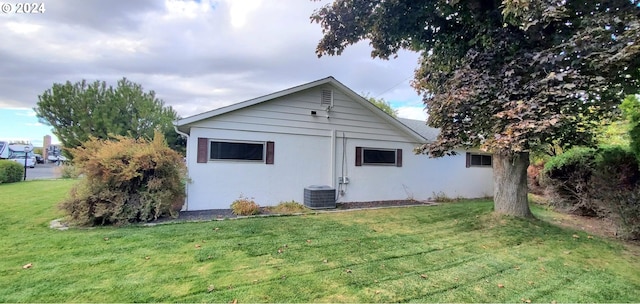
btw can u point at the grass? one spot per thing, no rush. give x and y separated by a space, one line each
458 252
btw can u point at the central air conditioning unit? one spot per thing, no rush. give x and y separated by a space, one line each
319 197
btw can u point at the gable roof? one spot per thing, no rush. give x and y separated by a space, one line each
420 127
408 126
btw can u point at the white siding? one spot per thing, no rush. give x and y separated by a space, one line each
305 155
299 161
420 177
291 114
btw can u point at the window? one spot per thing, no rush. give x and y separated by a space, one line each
378 157
235 150
479 160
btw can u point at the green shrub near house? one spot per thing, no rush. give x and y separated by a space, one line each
602 182
10 172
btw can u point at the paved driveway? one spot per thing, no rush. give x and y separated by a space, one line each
43 171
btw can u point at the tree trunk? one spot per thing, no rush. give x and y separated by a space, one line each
510 184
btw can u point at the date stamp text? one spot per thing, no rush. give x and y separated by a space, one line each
22 8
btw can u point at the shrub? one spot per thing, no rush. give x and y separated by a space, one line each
622 204
244 206
618 165
68 171
289 208
442 197
533 178
10 171
614 185
566 178
126 181
598 182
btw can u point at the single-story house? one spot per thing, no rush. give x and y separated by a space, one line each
321 133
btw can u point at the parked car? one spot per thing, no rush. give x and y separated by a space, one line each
57 159
31 161
39 159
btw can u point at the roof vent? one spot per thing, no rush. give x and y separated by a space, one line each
327 98
319 197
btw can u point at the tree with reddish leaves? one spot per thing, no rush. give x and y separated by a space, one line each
509 77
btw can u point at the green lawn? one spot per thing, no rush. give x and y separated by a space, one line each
458 252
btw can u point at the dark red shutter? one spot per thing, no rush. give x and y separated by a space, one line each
202 149
358 156
399 158
468 159
270 153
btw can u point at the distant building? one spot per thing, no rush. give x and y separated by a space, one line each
46 143
50 152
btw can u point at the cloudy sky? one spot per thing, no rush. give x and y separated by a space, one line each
196 55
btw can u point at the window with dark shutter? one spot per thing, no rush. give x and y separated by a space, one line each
479 160
378 157
248 151
202 150
270 153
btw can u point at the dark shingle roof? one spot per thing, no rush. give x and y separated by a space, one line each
420 127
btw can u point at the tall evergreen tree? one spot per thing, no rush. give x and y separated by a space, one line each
82 110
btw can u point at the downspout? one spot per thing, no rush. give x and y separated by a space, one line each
333 159
186 199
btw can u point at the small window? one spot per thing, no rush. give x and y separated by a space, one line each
378 157
479 160
221 150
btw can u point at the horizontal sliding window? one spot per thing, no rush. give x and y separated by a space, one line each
378 157
479 160
221 150
211 149
374 156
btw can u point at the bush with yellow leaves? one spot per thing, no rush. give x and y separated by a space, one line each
126 180
245 206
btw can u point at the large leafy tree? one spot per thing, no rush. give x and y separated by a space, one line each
509 77
382 104
83 110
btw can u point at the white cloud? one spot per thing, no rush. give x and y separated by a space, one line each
177 9
412 113
242 10
23 28
25 112
196 55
